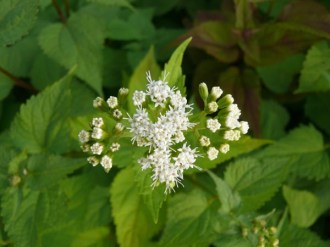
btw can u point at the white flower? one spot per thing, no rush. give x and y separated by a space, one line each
97 133
204 141
123 91
232 123
232 135
213 125
139 97
158 91
186 158
145 163
224 148
114 147
117 114
98 102
212 107
212 153
106 162
112 102
85 148
216 93
176 100
98 122
244 127
119 127
234 111
93 160
84 136
97 148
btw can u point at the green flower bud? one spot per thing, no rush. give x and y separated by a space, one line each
225 101
203 92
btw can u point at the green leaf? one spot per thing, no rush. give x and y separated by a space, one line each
90 237
173 67
138 80
40 124
47 170
17 17
256 180
133 222
191 220
315 75
300 237
317 108
288 68
120 3
304 206
76 43
274 119
305 146
153 197
7 154
230 200
5 87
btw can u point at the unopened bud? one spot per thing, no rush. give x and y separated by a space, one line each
212 107
119 127
216 93
225 101
203 91
99 103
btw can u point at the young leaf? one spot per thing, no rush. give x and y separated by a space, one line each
305 146
133 221
191 220
40 124
76 43
46 170
304 206
315 75
173 68
17 17
256 180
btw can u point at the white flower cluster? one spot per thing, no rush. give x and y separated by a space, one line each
225 122
159 126
93 141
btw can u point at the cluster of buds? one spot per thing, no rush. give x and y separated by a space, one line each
265 236
99 142
222 118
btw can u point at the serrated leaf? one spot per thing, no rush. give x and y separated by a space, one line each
274 119
76 43
172 70
40 124
315 75
191 220
7 154
133 222
46 170
305 146
153 197
304 206
138 80
256 180
317 108
280 82
90 237
17 17
300 237
230 200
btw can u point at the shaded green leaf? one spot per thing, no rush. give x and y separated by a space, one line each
120 3
305 146
133 221
90 237
304 206
40 124
5 87
76 43
256 180
315 75
191 220
17 17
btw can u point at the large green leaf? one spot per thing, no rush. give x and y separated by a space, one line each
256 180
304 206
41 123
134 224
17 17
46 170
305 146
120 3
79 43
191 220
138 80
315 75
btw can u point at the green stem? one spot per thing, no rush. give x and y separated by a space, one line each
282 220
59 11
67 8
18 82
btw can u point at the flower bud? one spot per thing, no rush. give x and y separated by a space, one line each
203 92
93 160
225 101
216 93
212 107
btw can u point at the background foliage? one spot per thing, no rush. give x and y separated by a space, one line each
57 56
